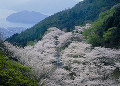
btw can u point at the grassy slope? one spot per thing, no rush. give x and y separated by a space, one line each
13 73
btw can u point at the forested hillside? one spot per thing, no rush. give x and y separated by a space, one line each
11 72
83 12
106 30
59 61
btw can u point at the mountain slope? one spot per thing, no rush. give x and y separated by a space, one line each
11 72
27 17
106 29
85 11
79 64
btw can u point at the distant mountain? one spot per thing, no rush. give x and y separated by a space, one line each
83 12
28 17
7 32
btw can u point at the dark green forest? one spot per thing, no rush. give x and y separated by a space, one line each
106 30
84 12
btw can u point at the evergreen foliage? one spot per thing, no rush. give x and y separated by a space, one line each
106 30
83 12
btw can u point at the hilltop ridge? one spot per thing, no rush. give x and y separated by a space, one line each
82 13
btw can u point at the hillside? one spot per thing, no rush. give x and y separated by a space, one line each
26 17
78 63
106 30
12 73
83 12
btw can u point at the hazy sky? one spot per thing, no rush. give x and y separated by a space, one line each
44 6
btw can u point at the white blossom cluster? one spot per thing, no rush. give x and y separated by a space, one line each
82 65
43 53
77 33
81 28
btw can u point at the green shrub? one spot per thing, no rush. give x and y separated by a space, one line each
14 74
72 75
116 73
75 56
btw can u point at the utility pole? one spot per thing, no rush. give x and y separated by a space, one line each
57 59
57 49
